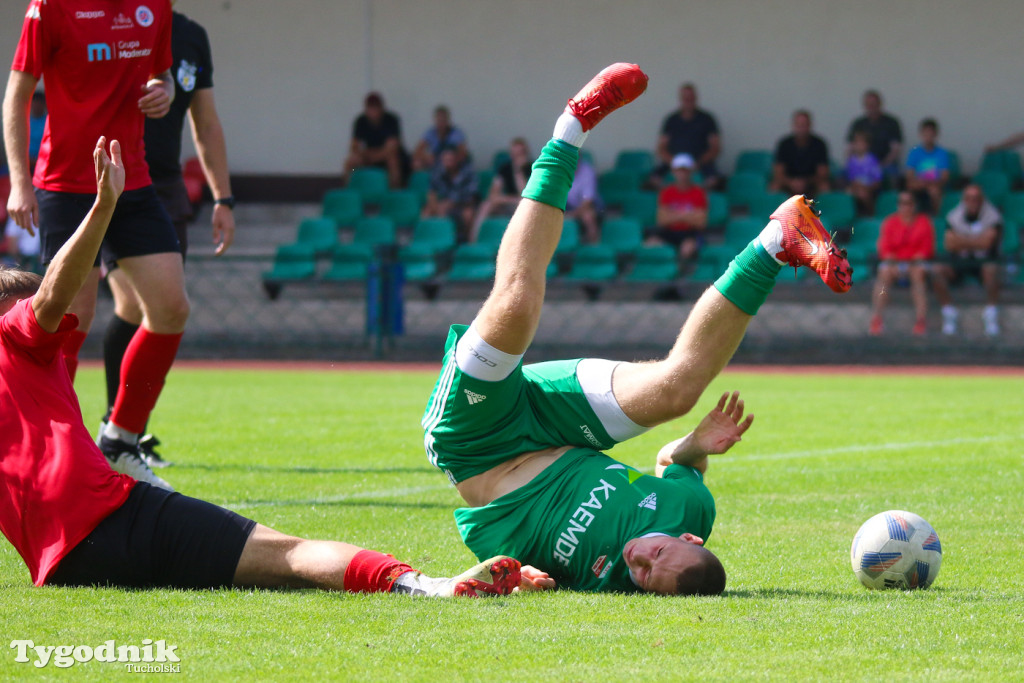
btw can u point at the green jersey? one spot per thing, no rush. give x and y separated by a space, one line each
574 518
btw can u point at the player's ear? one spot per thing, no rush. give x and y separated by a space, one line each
690 538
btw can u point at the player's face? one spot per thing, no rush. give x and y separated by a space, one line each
657 561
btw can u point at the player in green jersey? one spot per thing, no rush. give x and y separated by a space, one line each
522 444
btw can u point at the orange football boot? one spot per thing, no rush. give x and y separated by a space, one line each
806 242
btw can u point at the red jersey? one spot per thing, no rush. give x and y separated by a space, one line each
55 485
95 56
682 200
898 241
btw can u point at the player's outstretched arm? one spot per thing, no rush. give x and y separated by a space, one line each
716 433
70 267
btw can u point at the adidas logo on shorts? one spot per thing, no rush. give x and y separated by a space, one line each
650 502
474 397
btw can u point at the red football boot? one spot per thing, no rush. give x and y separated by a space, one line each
613 87
805 242
497 576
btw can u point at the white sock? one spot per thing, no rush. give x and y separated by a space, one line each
415 583
569 129
991 311
948 311
771 239
112 431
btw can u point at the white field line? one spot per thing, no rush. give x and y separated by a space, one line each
374 494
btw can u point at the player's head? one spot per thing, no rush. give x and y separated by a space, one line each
442 117
373 106
928 130
801 123
906 205
872 101
16 284
861 142
672 565
688 96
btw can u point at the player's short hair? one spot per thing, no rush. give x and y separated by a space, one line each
705 576
16 283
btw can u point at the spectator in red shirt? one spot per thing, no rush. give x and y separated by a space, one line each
682 210
905 246
75 522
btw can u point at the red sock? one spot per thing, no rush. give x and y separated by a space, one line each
147 360
72 345
373 572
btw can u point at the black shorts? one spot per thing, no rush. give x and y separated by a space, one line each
969 266
677 237
158 538
140 224
174 196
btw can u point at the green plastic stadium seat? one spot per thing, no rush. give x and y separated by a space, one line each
718 210
483 183
418 262
636 160
764 206
292 262
349 262
838 210
401 206
887 203
995 184
615 185
491 230
371 183
1012 165
706 270
954 167
570 238
1013 207
473 262
949 202
755 161
321 234
433 234
344 207
419 182
743 188
375 230
1010 245
738 233
622 235
641 206
654 264
594 262
500 157
863 241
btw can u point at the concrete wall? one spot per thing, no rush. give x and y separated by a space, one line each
291 75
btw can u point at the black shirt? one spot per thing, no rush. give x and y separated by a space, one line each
192 69
508 177
881 134
374 136
801 162
689 136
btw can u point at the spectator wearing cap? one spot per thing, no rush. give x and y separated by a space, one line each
801 159
682 209
377 141
442 135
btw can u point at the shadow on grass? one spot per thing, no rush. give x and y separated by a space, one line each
298 469
338 503
788 593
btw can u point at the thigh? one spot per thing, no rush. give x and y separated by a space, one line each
140 226
174 196
60 214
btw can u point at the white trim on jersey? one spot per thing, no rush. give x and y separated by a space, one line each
436 410
480 360
595 377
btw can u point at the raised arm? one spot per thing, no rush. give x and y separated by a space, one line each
715 434
70 267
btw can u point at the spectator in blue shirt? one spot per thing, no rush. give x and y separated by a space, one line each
928 166
426 156
452 192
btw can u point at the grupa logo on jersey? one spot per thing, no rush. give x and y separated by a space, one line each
121 49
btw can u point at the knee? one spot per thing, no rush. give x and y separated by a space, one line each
169 315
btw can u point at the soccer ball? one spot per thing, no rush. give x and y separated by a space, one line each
896 549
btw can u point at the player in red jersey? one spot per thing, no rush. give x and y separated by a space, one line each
106 68
76 522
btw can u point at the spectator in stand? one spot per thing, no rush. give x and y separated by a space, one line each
507 186
905 247
584 203
690 131
442 135
801 160
377 141
682 210
884 134
863 173
928 167
972 250
452 191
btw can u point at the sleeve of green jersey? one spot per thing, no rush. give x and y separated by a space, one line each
682 472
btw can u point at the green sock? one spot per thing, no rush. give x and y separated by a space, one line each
749 279
552 174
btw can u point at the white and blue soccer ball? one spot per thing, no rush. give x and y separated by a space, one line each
896 549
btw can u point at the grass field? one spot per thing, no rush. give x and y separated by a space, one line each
338 455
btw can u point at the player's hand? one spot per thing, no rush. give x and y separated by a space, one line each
534 579
109 172
23 208
723 426
156 100
223 221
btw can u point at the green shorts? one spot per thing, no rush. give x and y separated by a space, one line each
472 425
